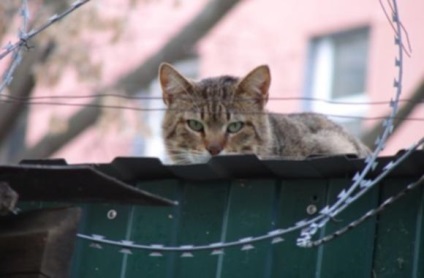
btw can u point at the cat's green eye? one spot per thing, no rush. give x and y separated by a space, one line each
235 127
195 125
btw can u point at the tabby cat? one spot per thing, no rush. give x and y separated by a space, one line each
226 115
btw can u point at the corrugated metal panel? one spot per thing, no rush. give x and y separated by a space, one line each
48 182
389 245
248 167
230 198
132 169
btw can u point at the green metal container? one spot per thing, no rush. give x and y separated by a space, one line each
229 199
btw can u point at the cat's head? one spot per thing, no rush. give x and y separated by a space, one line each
214 116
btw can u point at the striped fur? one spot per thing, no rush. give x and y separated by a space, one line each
218 102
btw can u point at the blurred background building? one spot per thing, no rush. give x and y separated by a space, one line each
332 57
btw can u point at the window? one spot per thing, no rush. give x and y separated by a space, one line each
337 72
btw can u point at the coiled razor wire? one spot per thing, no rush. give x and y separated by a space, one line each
309 227
345 198
247 243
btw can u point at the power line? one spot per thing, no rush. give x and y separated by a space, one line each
133 108
123 96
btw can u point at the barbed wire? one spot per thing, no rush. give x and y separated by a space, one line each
25 36
16 49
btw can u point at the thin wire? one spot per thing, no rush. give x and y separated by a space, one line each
132 108
380 102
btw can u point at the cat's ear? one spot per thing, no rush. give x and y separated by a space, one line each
256 84
172 82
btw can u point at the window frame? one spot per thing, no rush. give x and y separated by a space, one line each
320 74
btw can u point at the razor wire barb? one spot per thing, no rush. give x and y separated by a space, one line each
25 36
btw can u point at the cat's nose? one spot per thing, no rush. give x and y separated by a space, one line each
214 149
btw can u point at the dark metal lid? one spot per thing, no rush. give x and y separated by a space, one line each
55 180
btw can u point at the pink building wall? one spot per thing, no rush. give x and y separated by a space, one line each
277 33
256 32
